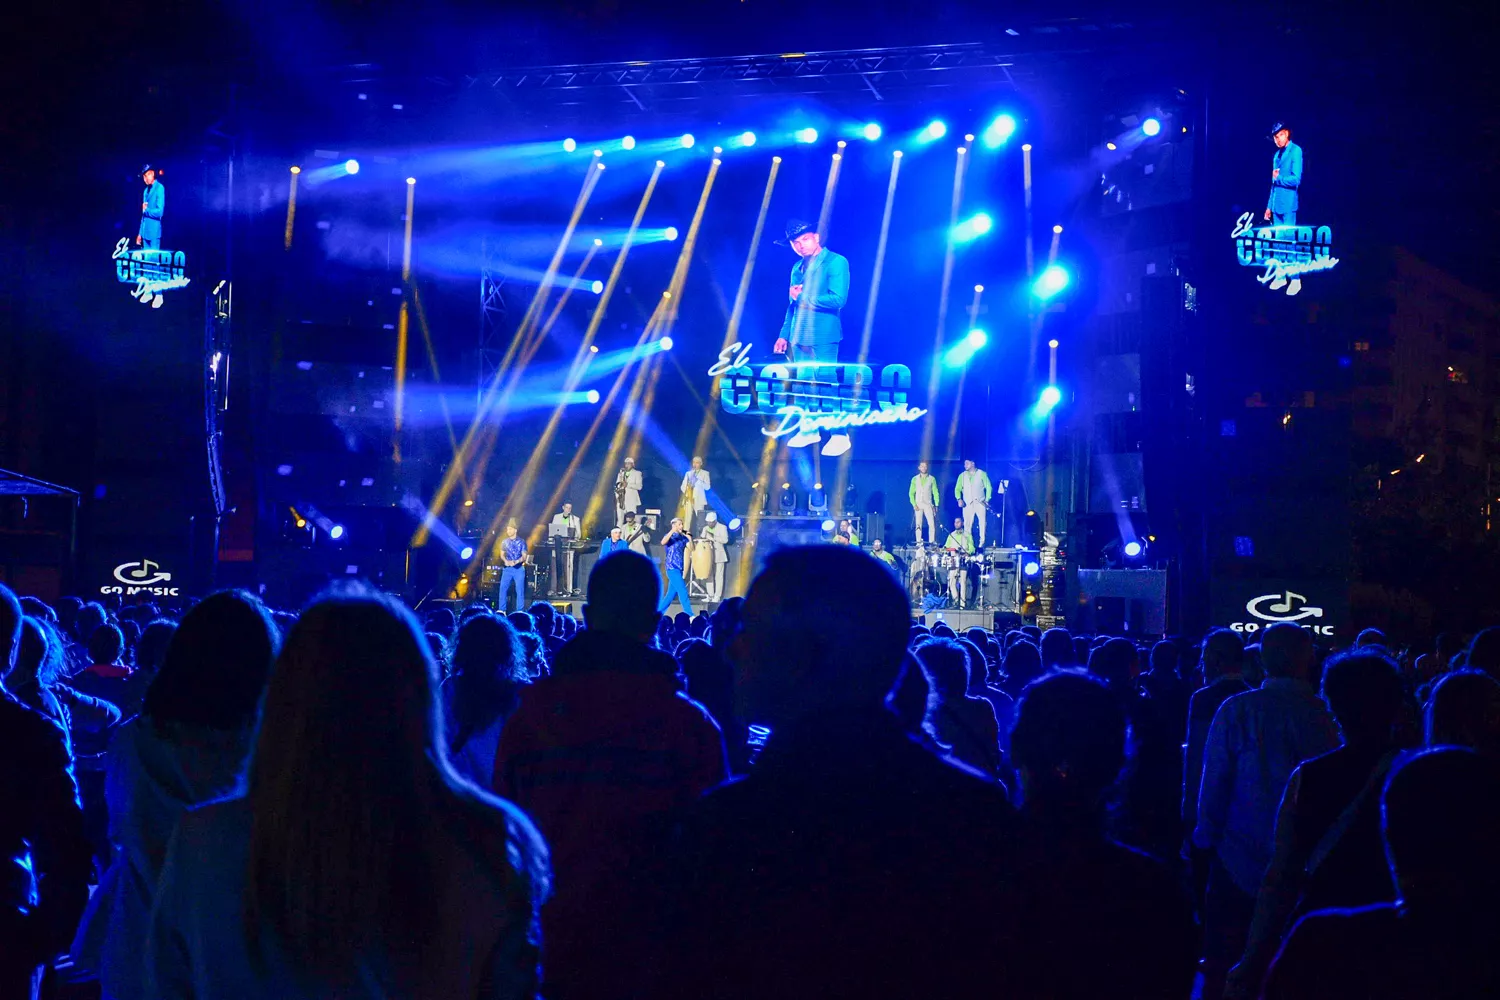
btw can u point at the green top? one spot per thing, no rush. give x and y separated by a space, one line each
920 490
960 540
979 476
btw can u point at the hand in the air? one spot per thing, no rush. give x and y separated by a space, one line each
780 347
796 292
1268 215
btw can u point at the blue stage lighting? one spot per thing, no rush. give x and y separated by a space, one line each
687 141
962 352
665 343
336 532
973 227
734 524
569 145
747 139
1000 129
807 135
467 552
597 288
1051 281
1133 548
1032 567
934 130
977 338
592 396
1051 396
670 233
351 166
872 131
628 142
828 525
1151 126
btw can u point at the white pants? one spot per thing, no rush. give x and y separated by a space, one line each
918 514
974 511
717 594
958 584
688 516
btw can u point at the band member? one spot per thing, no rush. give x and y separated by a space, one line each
921 562
695 487
614 543
153 205
513 569
636 536
567 524
674 548
811 330
1286 177
719 535
960 545
923 494
627 491
973 490
878 550
846 533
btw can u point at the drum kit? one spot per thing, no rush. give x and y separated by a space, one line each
929 572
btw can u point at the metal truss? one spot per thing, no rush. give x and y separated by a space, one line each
493 333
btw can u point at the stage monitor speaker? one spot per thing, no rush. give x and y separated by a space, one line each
1007 621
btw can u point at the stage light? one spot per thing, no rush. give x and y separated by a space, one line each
1133 548
1052 344
978 289
1056 230
296 170
469 502
411 180
666 343
1151 126
828 524
628 142
807 135
1032 567
786 486
569 145
817 486
1111 146
1051 281
687 141
593 396
467 552
670 233
960 353
1051 396
718 149
977 338
747 139
934 130
597 288
896 155
593 348
734 524
598 152
871 131
1000 130
336 532
301 522
972 228
351 166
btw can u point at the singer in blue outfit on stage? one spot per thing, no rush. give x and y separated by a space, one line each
1286 177
153 205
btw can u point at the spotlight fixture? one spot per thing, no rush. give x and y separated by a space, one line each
805 135
1052 344
666 343
569 145
999 130
1056 230
336 532
934 130
1051 396
597 287
411 180
687 141
1133 548
871 131
592 396
628 142
351 166
747 138
1111 146
467 552
1051 281
296 170
1151 126
670 233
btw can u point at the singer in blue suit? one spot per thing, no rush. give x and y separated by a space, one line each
819 289
1286 177
153 205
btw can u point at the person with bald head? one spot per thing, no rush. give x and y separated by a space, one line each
1255 743
851 860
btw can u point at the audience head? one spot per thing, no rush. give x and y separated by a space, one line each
908 697
1164 658
979 670
1068 744
1369 637
521 621
35 607
10 629
545 616
1286 652
1081 647
708 677
976 635
1441 819
1057 648
90 617
216 666
805 645
438 647
725 621
947 666
944 631
1364 692
1116 663
67 613
39 656
442 621
1484 652
106 644
1032 634
1223 655
1464 710
622 595
1023 664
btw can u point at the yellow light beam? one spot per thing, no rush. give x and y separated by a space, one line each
933 380
466 449
291 206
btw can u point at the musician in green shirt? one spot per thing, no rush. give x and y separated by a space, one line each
959 546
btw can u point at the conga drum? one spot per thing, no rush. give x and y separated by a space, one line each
703 558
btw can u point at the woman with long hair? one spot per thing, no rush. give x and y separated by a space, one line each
357 864
489 670
188 746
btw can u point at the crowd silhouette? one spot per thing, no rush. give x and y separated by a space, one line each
803 794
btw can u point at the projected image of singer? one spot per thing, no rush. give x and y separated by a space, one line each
153 207
811 330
